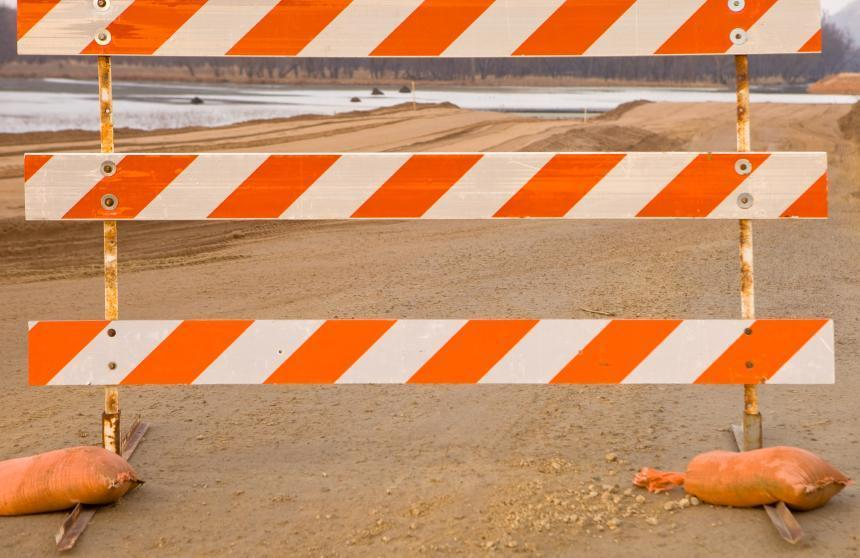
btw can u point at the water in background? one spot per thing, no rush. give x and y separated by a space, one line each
28 105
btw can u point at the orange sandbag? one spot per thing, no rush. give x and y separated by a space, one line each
797 477
58 480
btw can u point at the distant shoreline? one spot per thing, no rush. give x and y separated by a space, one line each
85 69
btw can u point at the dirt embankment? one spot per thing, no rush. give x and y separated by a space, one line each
839 84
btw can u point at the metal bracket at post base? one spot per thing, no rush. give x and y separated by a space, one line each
749 437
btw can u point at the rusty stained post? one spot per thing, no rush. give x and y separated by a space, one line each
111 438
752 431
414 102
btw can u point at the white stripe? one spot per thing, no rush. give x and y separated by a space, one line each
401 351
644 28
785 27
133 342
69 27
345 186
631 185
258 352
813 363
360 28
216 27
502 28
775 186
544 351
488 185
202 186
688 351
62 182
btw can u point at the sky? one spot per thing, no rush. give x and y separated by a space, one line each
829 5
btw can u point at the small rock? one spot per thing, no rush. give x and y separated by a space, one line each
670 505
694 501
683 503
651 521
640 499
610 457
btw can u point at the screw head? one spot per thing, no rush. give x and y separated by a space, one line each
112 365
111 332
750 364
101 4
103 37
737 5
108 168
743 166
738 36
109 202
748 331
745 201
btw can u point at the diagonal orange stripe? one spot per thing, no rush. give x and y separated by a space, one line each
30 12
559 185
813 202
770 345
574 27
136 182
472 351
146 25
431 28
288 28
32 164
330 351
273 187
813 44
416 186
616 351
51 345
701 186
708 30
186 352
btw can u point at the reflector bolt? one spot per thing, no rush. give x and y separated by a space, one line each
111 332
112 365
750 364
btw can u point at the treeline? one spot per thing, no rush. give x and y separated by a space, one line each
840 54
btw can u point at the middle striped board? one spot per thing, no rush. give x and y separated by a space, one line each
427 186
432 352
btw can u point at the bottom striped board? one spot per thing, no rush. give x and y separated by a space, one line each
431 352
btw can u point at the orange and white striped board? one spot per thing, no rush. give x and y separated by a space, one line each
427 186
418 28
432 352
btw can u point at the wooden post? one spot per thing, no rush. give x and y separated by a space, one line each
111 438
752 431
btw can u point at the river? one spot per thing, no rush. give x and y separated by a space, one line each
28 105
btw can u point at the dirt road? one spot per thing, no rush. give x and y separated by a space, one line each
436 471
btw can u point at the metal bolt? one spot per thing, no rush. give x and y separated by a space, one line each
750 364
109 202
745 201
108 168
737 5
103 37
738 36
101 4
748 331
743 166
112 365
111 332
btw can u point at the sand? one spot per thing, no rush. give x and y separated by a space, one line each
436 471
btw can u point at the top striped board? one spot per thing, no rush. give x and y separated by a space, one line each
81 186
417 28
